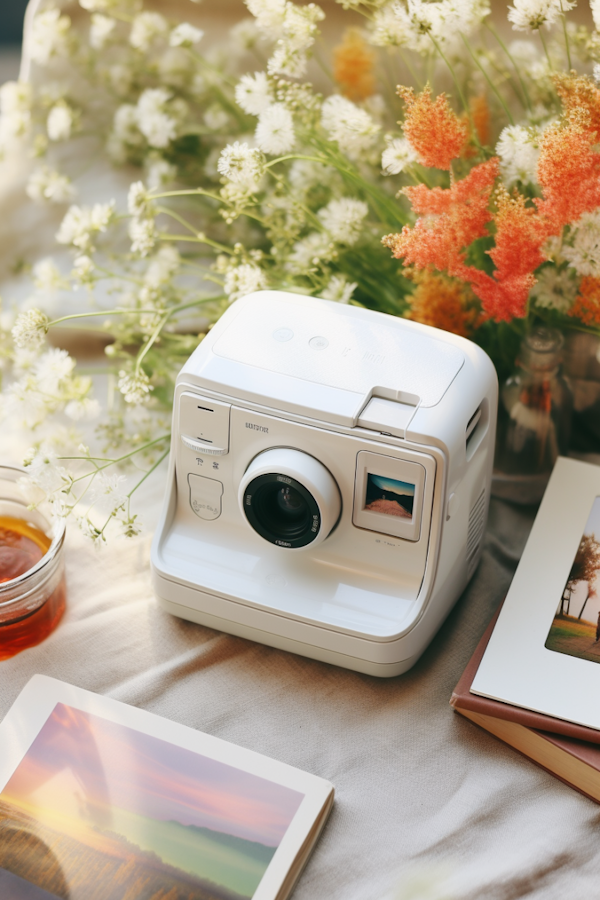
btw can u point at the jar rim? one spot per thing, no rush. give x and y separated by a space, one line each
13 473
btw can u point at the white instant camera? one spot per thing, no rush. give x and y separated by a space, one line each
329 480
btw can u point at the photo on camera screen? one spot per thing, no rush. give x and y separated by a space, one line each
390 497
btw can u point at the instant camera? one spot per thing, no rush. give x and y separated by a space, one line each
329 480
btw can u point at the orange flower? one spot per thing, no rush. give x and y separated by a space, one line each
353 66
568 171
579 94
480 115
451 219
442 303
587 303
520 233
433 129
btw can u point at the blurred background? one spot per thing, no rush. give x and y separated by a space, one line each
12 13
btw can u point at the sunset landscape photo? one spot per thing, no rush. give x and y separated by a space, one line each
388 496
99 811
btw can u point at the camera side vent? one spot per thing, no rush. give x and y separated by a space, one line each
475 533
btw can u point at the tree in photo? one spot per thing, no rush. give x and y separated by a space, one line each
585 566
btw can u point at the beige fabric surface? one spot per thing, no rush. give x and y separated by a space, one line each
420 791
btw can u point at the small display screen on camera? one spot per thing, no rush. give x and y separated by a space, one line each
389 497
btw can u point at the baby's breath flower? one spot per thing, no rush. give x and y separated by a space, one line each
144 235
162 267
83 410
185 35
518 149
244 279
49 37
159 172
47 277
30 328
83 270
147 28
245 34
241 164
391 26
554 289
42 467
349 125
339 289
584 240
82 223
48 184
158 127
60 122
135 386
52 369
275 130
310 252
101 30
16 98
343 219
137 199
253 93
397 155
269 14
530 15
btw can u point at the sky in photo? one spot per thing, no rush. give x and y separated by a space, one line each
86 776
390 484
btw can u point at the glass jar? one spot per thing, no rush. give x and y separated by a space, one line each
534 419
32 603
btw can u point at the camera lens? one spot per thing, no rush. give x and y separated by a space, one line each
281 510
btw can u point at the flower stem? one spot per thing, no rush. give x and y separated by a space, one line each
489 81
545 46
495 34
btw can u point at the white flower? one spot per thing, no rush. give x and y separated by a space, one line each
584 254
310 251
16 99
43 469
120 78
529 15
83 270
554 289
125 125
30 328
339 289
185 35
215 117
244 279
245 34
595 8
397 156
162 267
343 219
137 199
101 30
81 223
253 93
159 172
241 164
85 409
349 125
143 236
135 386
108 491
47 277
156 125
597 73
52 369
47 184
391 26
146 29
49 36
518 149
60 122
269 14
275 130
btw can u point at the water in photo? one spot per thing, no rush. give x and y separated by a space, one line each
390 497
576 626
100 811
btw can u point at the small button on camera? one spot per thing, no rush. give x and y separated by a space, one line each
283 334
319 342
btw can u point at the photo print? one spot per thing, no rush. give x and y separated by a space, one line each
99 811
575 629
390 497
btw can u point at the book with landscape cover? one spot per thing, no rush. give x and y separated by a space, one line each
104 801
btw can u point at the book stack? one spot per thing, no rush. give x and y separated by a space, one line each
534 679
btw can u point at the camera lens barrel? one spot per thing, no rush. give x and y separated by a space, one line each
289 498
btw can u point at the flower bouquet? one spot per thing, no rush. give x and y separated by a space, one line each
425 165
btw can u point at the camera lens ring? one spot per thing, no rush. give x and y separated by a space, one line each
266 513
306 515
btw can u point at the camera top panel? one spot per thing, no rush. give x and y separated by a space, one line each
339 346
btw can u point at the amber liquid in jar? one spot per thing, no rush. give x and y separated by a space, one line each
21 547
